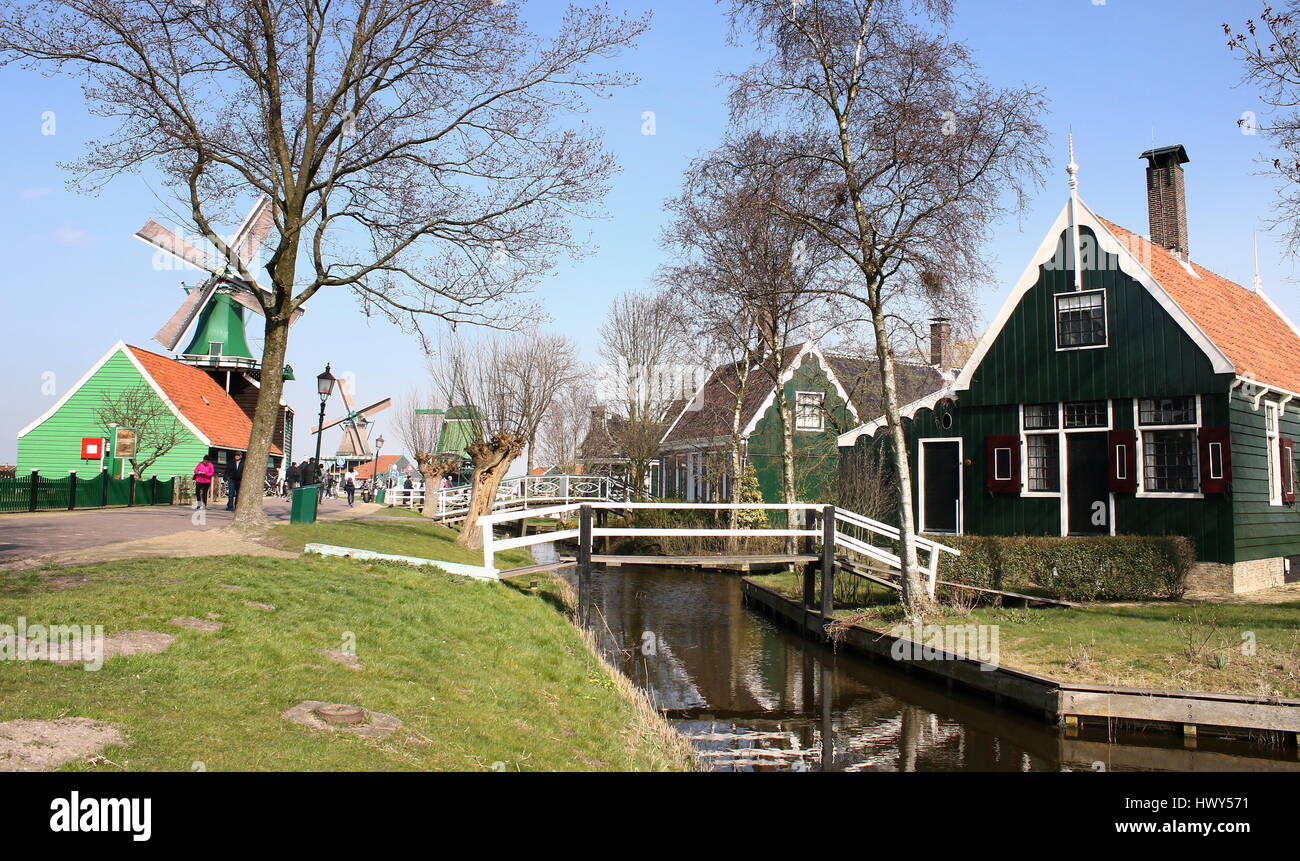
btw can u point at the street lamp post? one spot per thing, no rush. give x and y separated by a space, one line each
324 387
374 468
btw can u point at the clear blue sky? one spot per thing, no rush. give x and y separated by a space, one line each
1122 74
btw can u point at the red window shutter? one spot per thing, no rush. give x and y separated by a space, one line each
1286 463
1002 463
1214 453
1123 461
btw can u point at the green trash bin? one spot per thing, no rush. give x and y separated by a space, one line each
302 508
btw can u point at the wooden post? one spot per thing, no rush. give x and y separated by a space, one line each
103 474
36 480
584 562
130 498
809 548
602 520
828 562
72 490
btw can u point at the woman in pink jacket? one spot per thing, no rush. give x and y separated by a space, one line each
203 473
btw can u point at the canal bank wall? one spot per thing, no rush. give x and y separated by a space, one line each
1064 704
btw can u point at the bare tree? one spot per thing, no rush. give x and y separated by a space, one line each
156 429
1271 54
641 342
412 150
503 385
565 423
896 152
422 432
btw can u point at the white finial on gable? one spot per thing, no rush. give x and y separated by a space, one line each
1072 169
1258 284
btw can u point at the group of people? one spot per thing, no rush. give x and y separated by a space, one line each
205 471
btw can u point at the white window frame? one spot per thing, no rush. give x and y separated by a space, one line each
820 414
961 484
1271 437
1056 319
1062 458
217 346
1140 459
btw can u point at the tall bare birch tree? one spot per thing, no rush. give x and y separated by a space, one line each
897 153
415 152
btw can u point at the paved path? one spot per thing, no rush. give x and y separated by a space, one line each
24 536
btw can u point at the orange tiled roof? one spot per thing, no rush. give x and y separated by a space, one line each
1240 322
386 461
200 399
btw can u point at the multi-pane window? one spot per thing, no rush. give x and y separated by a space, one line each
1085 414
808 414
1169 455
1169 461
1270 447
1043 462
1167 411
1081 319
1040 416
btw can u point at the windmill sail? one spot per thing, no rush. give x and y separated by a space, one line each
158 236
179 322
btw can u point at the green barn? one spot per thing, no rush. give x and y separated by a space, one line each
827 394
191 409
1121 389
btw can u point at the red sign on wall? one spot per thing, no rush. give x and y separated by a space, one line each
92 448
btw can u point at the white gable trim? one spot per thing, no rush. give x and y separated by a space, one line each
907 411
1128 263
158 390
809 349
103 360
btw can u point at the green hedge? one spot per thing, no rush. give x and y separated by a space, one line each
1115 568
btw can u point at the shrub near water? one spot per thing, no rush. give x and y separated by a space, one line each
1076 569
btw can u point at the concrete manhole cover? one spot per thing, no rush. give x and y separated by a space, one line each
326 716
42 745
196 624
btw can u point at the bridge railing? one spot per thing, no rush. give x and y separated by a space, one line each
825 525
452 503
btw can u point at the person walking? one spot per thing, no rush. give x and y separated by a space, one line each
234 475
292 477
350 483
203 472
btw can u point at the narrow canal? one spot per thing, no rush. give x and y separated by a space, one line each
754 696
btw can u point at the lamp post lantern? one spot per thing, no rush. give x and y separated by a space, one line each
324 387
374 467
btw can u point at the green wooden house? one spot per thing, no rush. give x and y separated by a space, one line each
207 418
827 394
1121 389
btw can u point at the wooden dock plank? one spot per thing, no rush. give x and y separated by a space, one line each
536 569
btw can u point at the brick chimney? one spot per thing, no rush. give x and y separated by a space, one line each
1166 201
941 343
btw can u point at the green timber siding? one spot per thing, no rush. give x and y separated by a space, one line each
815 452
54 446
1148 355
1262 530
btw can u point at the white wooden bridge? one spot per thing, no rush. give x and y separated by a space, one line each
515 494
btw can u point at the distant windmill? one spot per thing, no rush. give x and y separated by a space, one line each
247 240
356 437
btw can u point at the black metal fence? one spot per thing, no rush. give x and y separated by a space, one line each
35 492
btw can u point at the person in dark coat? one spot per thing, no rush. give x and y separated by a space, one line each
234 474
292 476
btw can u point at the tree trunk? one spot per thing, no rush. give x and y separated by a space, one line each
491 460
914 595
249 516
788 491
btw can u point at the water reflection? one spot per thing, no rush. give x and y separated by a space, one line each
753 696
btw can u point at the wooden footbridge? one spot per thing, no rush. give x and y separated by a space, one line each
451 504
830 539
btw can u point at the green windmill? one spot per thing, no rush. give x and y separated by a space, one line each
214 310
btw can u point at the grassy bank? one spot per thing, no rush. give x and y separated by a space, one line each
1174 645
416 538
480 674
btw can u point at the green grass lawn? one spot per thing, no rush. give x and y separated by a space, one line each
399 511
417 538
1174 645
479 673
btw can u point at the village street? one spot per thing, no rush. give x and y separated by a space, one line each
42 534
